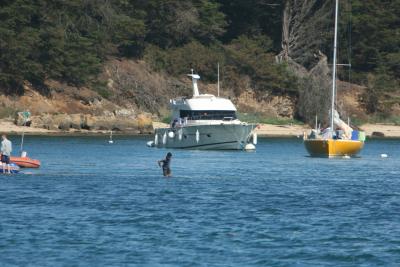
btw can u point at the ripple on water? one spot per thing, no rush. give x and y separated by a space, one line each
97 205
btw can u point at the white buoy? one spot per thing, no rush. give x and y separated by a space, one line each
180 133
249 147
156 139
384 155
164 138
197 136
150 144
171 134
111 140
254 138
346 157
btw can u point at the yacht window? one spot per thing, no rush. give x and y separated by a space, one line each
208 114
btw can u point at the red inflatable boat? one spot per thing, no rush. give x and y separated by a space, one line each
25 162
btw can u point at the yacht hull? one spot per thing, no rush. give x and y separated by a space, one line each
332 147
215 137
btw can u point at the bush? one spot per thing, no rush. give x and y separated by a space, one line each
243 57
178 61
251 56
101 88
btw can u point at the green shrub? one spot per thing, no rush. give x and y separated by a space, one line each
101 88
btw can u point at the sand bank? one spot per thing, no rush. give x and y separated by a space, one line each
270 130
390 131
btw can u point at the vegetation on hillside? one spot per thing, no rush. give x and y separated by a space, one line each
69 40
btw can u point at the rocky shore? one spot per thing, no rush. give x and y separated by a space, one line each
118 122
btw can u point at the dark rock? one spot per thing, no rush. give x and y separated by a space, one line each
65 125
377 134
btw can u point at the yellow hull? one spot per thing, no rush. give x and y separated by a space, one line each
333 148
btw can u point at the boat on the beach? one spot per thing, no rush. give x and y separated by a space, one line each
339 140
204 121
14 168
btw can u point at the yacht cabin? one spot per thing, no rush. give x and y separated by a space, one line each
201 107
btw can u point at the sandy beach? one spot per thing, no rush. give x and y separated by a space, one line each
389 131
270 130
371 130
264 130
8 127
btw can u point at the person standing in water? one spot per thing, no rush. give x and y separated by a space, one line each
165 164
6 148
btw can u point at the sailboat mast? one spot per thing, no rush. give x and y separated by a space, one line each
218 79
334 65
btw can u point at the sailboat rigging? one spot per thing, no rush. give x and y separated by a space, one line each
345 142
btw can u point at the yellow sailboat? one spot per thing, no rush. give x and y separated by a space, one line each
330 147
343 142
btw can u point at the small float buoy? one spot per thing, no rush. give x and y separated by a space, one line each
150 144
384 155
171 134
346 157
249 147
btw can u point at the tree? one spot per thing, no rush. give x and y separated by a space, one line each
174 23
253 17
306 28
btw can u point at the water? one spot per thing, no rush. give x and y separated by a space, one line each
96 204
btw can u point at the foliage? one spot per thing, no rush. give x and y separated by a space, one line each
375 38
260 118
243 56
379 83
173 23
180 60
254 18
65 40
69 40
252 57
101 88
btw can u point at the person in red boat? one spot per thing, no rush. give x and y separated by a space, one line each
6 148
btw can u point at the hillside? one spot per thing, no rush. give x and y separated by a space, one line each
104 64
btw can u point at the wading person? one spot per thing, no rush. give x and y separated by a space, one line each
165 164
6 148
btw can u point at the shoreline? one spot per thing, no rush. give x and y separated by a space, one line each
8 127
263 130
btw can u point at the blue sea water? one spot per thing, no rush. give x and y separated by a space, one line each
96 204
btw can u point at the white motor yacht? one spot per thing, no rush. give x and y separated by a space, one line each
205 122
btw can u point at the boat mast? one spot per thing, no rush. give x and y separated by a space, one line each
218 80
334 66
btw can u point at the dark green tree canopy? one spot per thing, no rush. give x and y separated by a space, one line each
69 40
